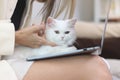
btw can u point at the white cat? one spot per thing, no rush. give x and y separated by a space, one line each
61 32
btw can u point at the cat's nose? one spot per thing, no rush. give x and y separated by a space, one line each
62 38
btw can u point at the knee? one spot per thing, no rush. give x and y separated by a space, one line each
101 69
100 62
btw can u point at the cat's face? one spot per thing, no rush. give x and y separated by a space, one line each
61 32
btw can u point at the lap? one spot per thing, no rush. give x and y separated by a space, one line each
66 68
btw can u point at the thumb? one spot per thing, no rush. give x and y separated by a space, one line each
43 36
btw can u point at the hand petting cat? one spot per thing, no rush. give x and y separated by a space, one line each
61 32
32 36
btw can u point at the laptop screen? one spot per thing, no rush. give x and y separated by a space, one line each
91 32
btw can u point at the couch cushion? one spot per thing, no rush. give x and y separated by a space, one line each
90 34
93 30
111 47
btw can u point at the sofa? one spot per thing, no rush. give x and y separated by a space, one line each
90 33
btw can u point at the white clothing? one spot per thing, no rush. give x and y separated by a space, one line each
20 67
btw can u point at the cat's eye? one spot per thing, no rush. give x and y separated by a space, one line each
67 32
57 32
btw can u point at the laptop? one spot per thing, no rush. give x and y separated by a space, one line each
83 51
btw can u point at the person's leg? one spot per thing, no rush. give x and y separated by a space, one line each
72 68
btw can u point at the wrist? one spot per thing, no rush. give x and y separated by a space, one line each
17 37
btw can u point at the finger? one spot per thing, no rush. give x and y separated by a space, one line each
41 33
43 36
36 28
42 23
50 43
33 24
45 42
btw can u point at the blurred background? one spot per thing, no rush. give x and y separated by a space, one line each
93 10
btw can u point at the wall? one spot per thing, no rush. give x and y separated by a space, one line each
85 10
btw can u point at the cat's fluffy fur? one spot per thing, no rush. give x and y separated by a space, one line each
61 32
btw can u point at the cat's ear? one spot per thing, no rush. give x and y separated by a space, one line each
50 21
72 22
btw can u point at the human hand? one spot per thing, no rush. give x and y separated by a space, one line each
32 36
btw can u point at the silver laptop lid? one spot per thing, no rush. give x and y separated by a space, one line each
105 27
